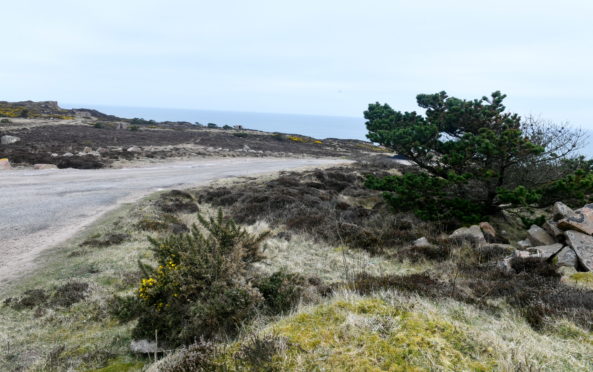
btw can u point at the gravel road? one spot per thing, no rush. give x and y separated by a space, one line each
41 208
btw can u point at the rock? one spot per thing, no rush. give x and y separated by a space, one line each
5 164
561 210
145 347
538 236
68 154
134 149
45 166
581 220
551 228
102 150
524 244
512 218
122 125
505 264
526 254
472 234
422 243
488 231
54 155
566 257
8 140
582 245
87 150
547 251
246 148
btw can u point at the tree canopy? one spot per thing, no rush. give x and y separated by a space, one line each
474 157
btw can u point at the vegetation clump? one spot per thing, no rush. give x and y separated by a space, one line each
330 205
199 289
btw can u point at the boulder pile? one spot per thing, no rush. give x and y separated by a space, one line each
566 239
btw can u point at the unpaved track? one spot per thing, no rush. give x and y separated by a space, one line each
39 209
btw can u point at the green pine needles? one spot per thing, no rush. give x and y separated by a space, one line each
473 157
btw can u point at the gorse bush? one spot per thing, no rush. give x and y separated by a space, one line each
198 289
475 157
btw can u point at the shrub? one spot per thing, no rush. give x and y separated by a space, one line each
212 125
134 128
198 290
69 294
281 290
140 121
5 121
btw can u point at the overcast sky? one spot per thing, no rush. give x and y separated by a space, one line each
310 57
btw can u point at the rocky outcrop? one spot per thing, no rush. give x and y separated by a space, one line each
567 240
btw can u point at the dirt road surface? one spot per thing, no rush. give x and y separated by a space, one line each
41 208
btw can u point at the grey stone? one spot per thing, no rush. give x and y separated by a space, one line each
561 210
512 218
538 236
582 220
87 150
145 347
525 243
8 140
566 257
422 243
582 245
68 154
551 228
547 251
134 149
102 150
472 234
525 254
54 155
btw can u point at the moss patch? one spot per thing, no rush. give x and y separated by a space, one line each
371 335
583 279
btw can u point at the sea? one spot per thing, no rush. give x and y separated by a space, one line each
317 126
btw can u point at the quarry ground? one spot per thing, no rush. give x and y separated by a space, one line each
42 208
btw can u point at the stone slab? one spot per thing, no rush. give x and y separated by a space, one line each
582 245
581 221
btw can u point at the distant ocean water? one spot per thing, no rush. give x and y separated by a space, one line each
316 126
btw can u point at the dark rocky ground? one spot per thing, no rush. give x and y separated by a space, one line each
37 144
